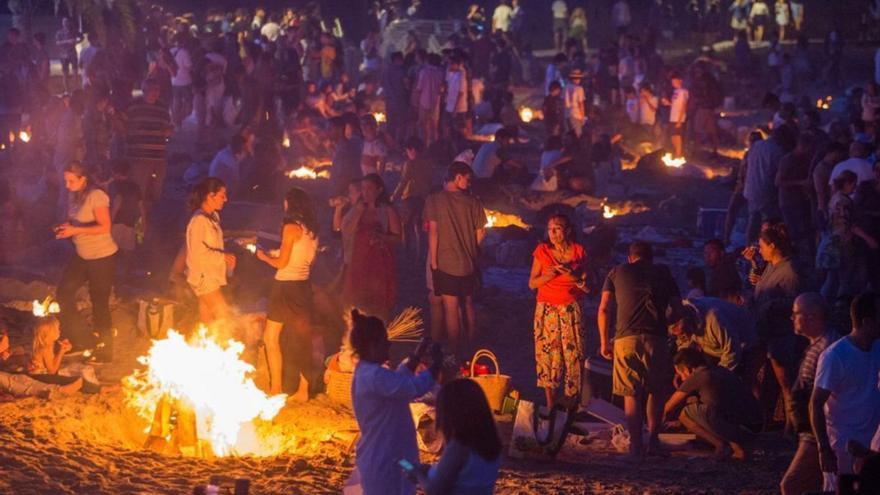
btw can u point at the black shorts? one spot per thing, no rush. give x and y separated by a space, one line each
454 285
290 301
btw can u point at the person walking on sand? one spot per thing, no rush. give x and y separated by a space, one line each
575 102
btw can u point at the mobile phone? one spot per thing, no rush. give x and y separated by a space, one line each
406 465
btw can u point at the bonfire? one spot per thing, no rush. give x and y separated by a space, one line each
527 114
206 383
673 162
499 219
305 172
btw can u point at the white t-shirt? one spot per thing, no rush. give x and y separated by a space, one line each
271 30
574 101
541 183
852 411
861 167
184 67
560 9
91 246
501 17
678 108
648 110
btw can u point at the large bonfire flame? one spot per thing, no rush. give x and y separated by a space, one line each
214 382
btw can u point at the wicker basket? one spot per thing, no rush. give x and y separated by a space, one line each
494 386
339 387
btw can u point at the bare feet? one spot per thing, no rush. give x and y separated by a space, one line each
71 388
302 393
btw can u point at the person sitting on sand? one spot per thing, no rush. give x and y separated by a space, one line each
722 331
380 398
472 449
21 385
725 413
46 363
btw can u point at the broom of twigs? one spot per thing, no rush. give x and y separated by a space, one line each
407 326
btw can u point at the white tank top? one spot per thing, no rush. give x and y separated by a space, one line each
302 253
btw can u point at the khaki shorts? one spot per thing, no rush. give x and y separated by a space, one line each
641 365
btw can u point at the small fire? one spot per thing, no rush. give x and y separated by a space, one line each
611 210
307 173
824 104
380 117
251 248
45 308
24 136
285 141
673 162
499 219
211 379
526 114
608 212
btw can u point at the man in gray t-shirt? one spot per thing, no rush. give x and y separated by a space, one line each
456 223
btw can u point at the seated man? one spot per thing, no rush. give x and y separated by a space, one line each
721 330
725 413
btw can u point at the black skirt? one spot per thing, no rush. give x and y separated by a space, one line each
290 300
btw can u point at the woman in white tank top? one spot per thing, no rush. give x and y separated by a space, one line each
290 299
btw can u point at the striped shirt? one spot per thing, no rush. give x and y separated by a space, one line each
147 128
807 370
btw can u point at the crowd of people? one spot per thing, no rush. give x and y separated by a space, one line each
800 329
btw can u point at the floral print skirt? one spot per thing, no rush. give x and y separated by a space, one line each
559 346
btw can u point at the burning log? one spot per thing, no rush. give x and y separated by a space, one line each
206 392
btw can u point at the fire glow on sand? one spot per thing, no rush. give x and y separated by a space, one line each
211 380
499 219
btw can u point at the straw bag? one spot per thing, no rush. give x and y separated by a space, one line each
339 387
494 386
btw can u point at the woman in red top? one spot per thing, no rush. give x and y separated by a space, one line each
558 275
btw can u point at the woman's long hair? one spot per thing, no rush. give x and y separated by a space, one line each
463 414
301 210
79 170
208 185
45 334
376 180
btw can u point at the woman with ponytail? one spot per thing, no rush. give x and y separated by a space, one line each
88 226
290 299
206 260
380 396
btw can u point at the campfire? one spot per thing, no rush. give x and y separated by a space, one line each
24 136
527 114
499 219
380 117
305 172
611 210
824 104
673 162
251 248
45 307
200 397
285 141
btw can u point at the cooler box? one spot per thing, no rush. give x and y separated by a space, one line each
596 381
710 222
